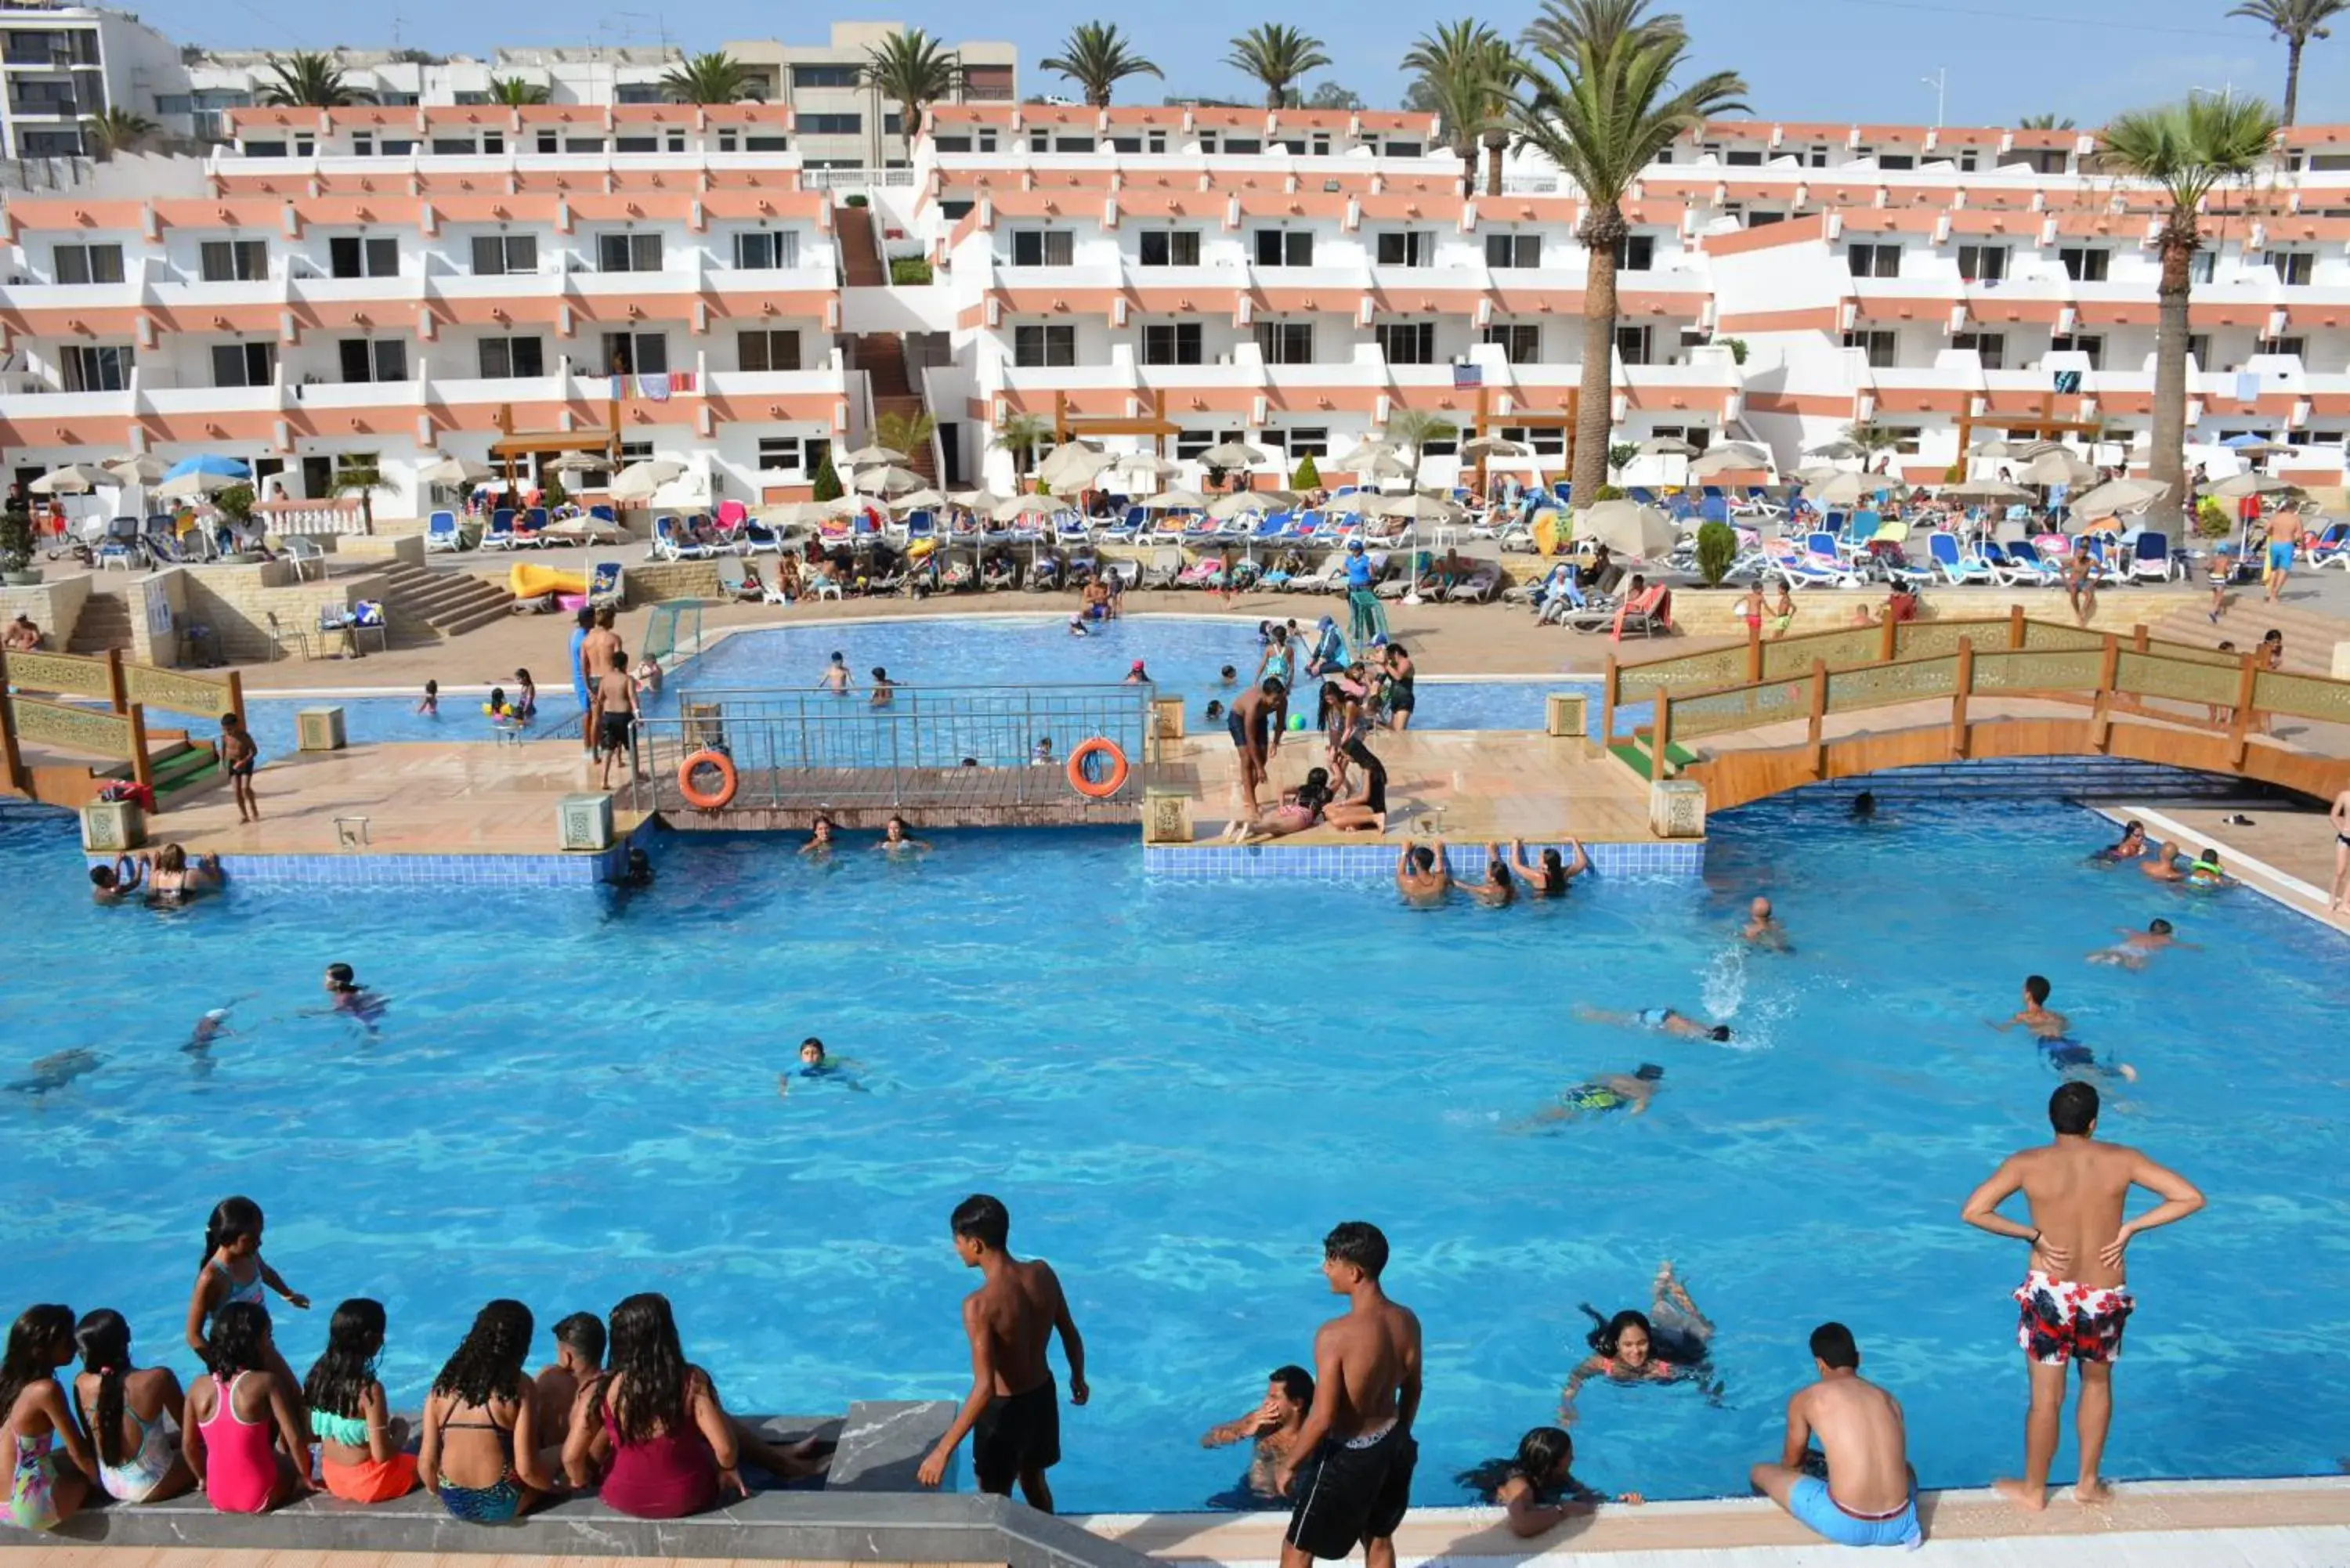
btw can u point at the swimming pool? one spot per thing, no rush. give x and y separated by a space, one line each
1177 1088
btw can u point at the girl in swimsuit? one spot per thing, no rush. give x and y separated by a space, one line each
479 1454
1537 1486
232 1271
231 1414
132 1413
360 1440
45 1487
664 1437
1626 1348
1300 809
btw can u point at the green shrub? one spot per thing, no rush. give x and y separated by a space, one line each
826 487
1717 546
16 539
1609 492
235 502
910 272
1307 476
1737 347
2211 519
1621 452
1954 474
858 200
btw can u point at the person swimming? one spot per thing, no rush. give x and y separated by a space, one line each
1610 1092
1864 805
1763 929
2129 846
2204 871
1663 1019
2135 947
818 1065
1536 1486
1672 1342
348 998
2053 1031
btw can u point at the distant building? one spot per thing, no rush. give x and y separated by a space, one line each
64 64
843 125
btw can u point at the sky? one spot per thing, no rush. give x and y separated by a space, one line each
1864 60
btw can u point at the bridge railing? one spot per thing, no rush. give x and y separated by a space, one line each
117 732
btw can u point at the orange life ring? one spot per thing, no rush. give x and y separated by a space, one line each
702 799
1108 786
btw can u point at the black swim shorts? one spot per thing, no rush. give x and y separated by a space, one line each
615 732
1016 1434
1352 1496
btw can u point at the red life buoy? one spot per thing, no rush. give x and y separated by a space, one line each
1105 787
707 799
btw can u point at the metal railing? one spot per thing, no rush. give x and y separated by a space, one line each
971 750
854 178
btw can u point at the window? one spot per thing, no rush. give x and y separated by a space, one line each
584 144
1547 440
638 353
1966 161
824 76
754 142
1874 260
2295 348
1982 264
374 358
636 451
1747 160
1697 436
1190 444
497 256
1117 144
1412 247
1171 247
546 141
2080 343
1240 145
1636 252
1158 140
1045 347
2201 266
1306 441
1284 247
1408 342
1513 250
447 146
1042 247
1171 343
1880 346
729 140
244 364
88 264
1404 149
636 144
1761 220
628 253
1818 158
265 149
2084 264
1285 342
765 250
234 261
2292 267
1905 439
832 125
1521 345
954 211
89 369
349 255
1634 345
786 454
1072 144
776 348
504 357
1990 348
1897 160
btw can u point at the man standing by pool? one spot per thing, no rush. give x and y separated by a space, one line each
1364 618
1250 723
598 652
2075 1299
1357 1441
1011 1412
581 687
2284 539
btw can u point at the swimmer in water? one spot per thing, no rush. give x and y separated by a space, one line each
1538 1486
895 841
2162 865
1496 892
2129 846
819 839
111 884
2205 871
2135 947
1611 1092
211 1027
1670 1343
1422 875
57 1070
1763 929
885 689
1864 805
1549 880
835 678
820 1066
640 871
1663 1019
350 999
2054 1031
1272 1427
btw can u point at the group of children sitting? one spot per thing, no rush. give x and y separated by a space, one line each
644 1426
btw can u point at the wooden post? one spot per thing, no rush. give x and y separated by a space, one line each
1608 693
1660 765
1888 639
2101 720
1818 714
2138 640
142 769
236 693
117 693
2239 721
13 759
1965 684
1754 654
2014 628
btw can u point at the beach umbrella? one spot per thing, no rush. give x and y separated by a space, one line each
2006 450
1352 501
1386 466
580 462
1843 489
2236 487
73 479
1837 447
1176 500
1232 454
1724 459
1021 506
138 468
1246 504
985 501
1987 490
639 481
1666 446
456 471
888 479
1362 455
2115 496
2250 445
189 485
1628 528
1417 507
211 464
914 500
1488 447
1144 463
2056 466
872 456
1080 459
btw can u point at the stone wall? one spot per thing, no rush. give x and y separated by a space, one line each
54 606
1713 612
157 642
650 582
236 602
371 548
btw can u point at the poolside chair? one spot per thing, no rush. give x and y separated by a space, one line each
499 534
1043 575
122 544
1244 574
735 581
1001 571
1321 578
530 529
607 584
2152 560
669 542
758 536
2029 569
1166 566
1803 569
441 532
1478 587
2330 548
305 556
1207 572
1954 565
2107 575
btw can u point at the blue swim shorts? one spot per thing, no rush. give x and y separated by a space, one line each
1809 1502
2281 554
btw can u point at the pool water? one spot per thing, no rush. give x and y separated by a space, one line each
1177 1088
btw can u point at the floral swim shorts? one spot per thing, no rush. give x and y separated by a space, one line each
2063 1320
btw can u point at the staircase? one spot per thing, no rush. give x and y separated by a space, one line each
2309 635
860 256
882 356
176 761
105 623
448 602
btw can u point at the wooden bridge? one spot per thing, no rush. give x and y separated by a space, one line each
46 746
1756 719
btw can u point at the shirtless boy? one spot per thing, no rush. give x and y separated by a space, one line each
1010 1411
2075 1297
1272 1426
613 714
599 650
1356 1449
1422 875
2054 1031
1870 1495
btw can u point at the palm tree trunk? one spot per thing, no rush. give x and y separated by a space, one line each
2166 461
2291 77
1595 406
1493 149
1275 95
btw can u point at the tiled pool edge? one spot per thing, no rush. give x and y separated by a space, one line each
555 868
1672 859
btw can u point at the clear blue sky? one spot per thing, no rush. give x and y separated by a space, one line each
1826 60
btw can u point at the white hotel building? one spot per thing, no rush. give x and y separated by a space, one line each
414 280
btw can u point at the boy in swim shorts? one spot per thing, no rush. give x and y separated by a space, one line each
2054 1031
1869 1497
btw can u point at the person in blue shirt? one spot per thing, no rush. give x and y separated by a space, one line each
579 676
1362 606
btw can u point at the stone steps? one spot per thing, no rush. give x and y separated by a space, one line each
105 623
451 603
2309 635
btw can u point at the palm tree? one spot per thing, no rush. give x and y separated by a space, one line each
1413 428
1469 70
306 79
1095 57
2298 22
2188 149
910 69
513 93
2044 123
1020 435
112 130
1600 109
1873 440
714 78
1277 56
904 429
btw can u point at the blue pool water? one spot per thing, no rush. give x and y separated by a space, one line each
1177 1088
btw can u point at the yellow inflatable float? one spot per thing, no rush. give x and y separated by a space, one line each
528 582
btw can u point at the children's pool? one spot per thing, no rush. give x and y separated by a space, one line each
1177 1088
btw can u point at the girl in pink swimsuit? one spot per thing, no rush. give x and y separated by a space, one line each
667 1437
231 1445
